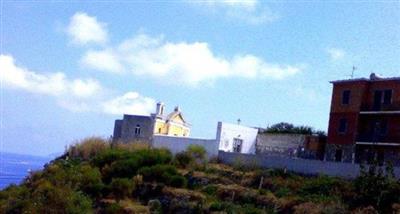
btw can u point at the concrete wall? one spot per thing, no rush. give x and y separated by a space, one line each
128 127
117 129
281 144
178 144
226 132
312 167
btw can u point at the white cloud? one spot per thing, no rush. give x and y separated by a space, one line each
75 95
102 60
336 53
55 84
183 62
249 11
129 103
84 29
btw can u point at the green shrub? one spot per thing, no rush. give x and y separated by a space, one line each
107 157
48 198
197 152
121 187
222 206
377 187
322 185
122 169
124 164
113 208
210 189
157 172
178 181
150 157
183 159
282 192
155 206
163 173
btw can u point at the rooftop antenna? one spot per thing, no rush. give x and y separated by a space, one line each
352 71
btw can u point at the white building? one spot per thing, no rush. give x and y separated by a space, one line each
236 138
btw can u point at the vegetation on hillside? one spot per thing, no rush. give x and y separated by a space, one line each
96 176
288 128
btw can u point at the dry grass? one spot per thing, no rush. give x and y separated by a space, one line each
308 208
132 145
88 148
135 207
183 194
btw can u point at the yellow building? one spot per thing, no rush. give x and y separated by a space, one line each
173 124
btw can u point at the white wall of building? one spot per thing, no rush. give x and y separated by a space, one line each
226 133
179 144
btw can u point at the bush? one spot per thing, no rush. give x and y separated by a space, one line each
183 159
197 152
178 181
121 187
122 169
109 156
376 187
166 174
124 164
113 208
158 172
210 189
88 148
155 206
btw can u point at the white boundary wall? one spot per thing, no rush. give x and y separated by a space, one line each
178 144
304 166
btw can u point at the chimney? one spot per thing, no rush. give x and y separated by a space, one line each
160 108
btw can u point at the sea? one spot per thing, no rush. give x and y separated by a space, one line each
15 167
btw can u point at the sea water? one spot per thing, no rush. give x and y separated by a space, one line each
15 167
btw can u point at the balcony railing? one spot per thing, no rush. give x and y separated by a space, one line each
377 138
393 107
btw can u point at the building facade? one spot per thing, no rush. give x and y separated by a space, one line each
236 138
364 122
143 128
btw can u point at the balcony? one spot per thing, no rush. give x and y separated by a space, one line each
377 139
392 108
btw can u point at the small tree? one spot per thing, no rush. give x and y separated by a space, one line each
197 152
377 187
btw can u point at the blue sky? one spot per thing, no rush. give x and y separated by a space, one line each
68 70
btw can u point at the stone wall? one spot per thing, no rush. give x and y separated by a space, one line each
311 167
178 144
280 144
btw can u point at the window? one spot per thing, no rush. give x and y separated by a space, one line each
137 130
237 145
342 125
381 127
338 155
387 97
346 97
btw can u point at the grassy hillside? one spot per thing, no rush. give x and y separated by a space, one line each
96 176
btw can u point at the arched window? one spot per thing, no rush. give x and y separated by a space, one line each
137 129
